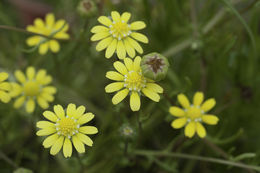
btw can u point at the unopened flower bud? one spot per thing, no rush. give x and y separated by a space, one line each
154 66
87 8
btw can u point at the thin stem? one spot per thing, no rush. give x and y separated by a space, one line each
7 159
81 163
11 28
126 147
193 14
194 157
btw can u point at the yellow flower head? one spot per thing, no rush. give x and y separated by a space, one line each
49 28
193 115
65 128
130 80
4 88
34 86
117 35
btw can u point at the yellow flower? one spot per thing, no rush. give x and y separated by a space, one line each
49 28
130 80
34 86
66 128
117 35
4 88
193 115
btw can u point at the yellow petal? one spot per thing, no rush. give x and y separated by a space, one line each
190 129
105 20
45 124
3 76
135 102
129 64
43 48
179 123
137 63
30 72
85 139
16 89
114 76
59 24
115 16
100 36
119 96
59 111
5 97
111 49
104 43
208 105
210 119
47 97
200 130
85 118
67 148
135 45
125 17
40 76
33 41
176 111
49 90
129 49
114 87
139 37
137 25
99 28
50 116
78 144
80 111
5 86
50 140
121 52
198 98
19 101
30 105
42 102
71 110
54 46
90 130
183 100
56 147
151 94
50 19
154 87
120 67
20 76
46 131
39 23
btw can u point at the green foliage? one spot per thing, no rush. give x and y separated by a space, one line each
217 54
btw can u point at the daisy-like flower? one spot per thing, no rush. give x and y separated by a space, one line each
130 80
193 115
118 36
49 28
65 128
33 87
4 88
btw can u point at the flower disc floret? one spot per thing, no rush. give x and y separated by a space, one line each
5 87
66 127
50 28
193 115
130 80
117 35
32 87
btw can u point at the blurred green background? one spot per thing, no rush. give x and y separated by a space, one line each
212 46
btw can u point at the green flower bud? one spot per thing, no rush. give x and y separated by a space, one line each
154 66
87 8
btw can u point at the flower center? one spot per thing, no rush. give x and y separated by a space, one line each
194 113
119 29
67 127
31 88
134 81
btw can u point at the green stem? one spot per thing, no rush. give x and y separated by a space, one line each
194 157
7 159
